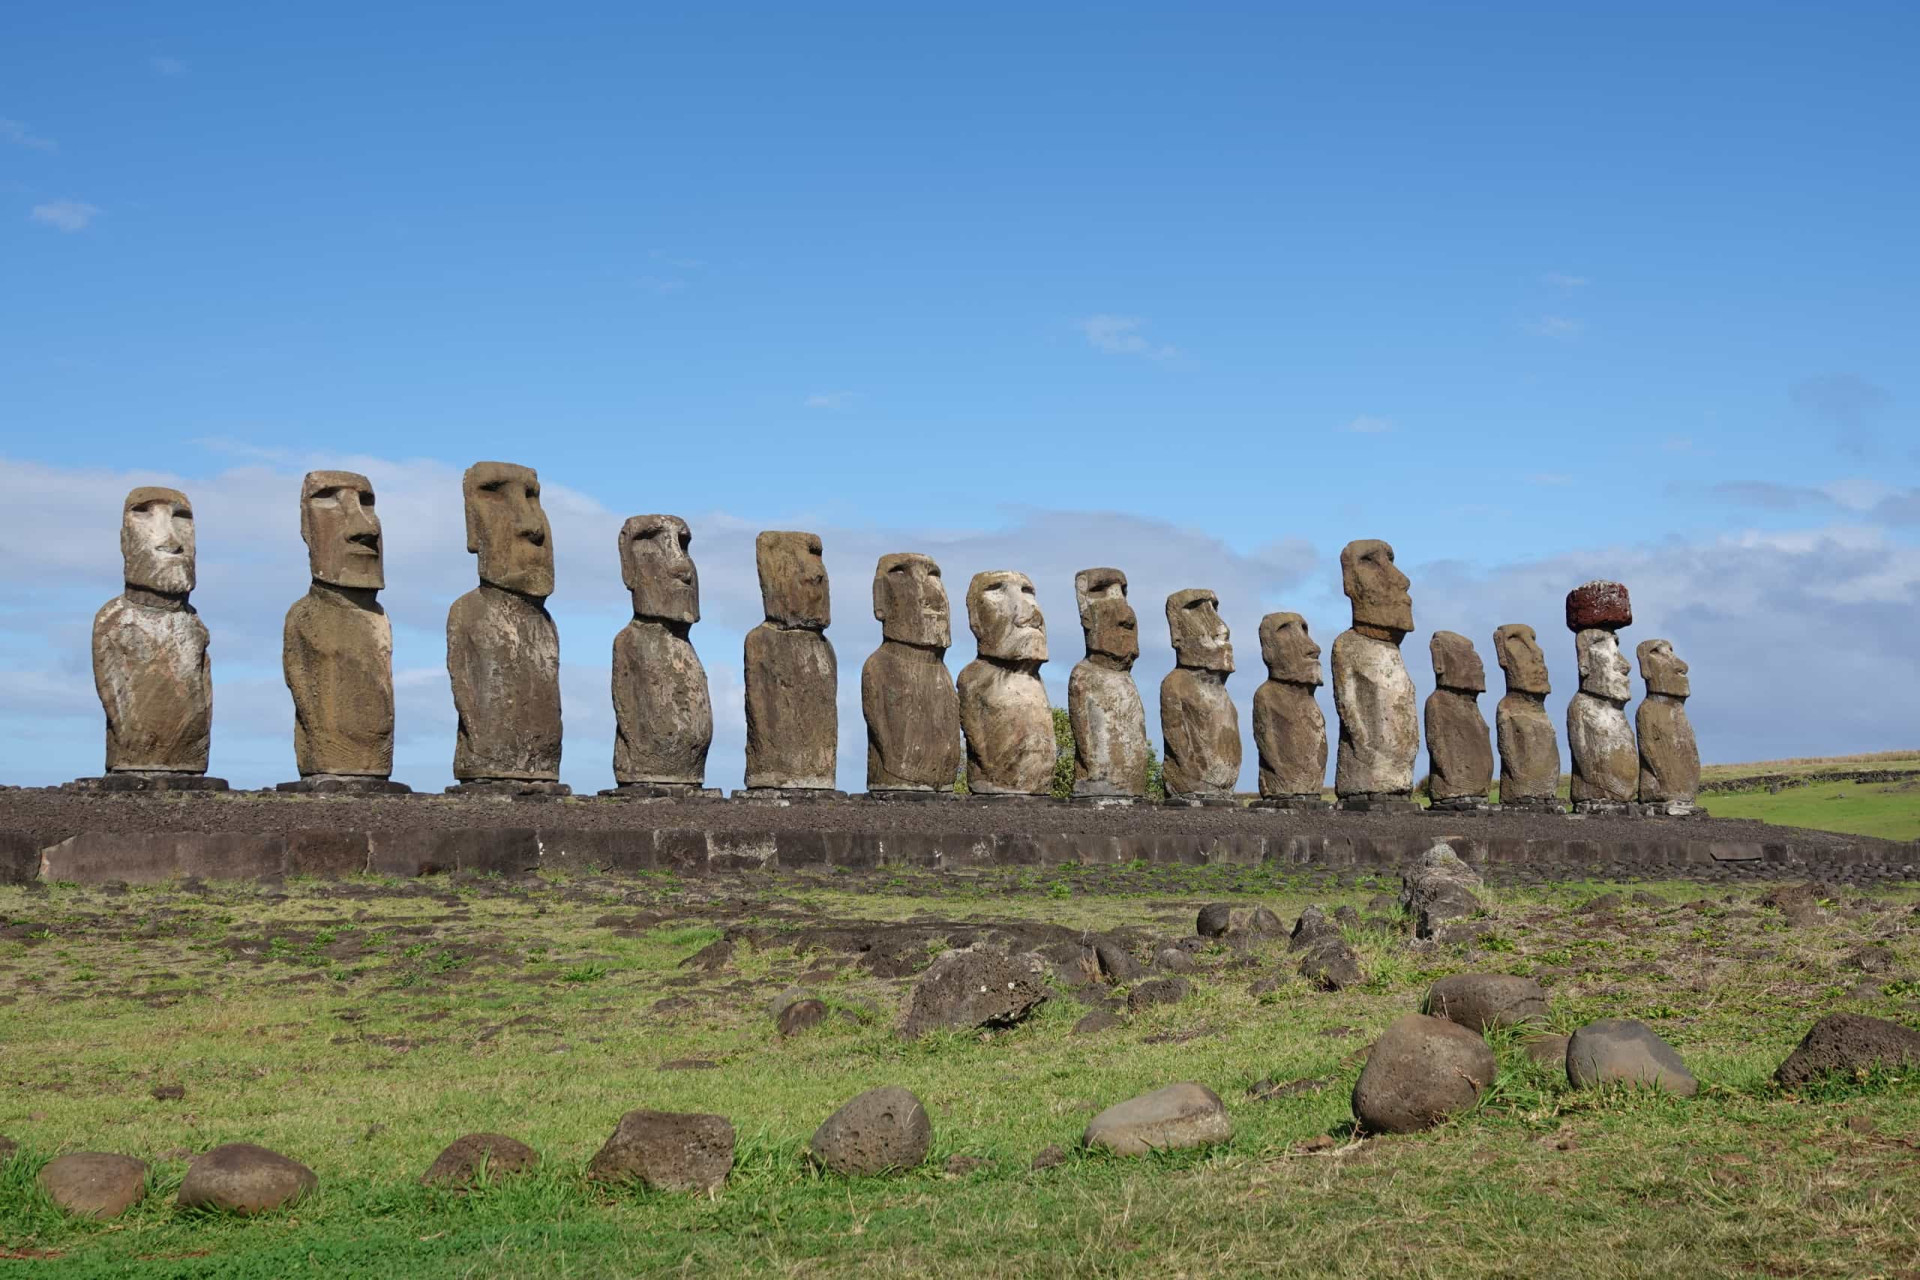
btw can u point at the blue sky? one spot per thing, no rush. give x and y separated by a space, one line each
1526 290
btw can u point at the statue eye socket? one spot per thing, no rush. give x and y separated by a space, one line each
366 498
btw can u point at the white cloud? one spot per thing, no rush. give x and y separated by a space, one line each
831 399
17 134
1561 280
1555 327
65 215
1121 336
166 66
1369 425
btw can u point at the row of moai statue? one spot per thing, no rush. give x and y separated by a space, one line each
503 658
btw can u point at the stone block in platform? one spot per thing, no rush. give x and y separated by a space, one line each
1379 802
342 785
155 857
787 795
920 795
1291 804
510 789
111 782
656 791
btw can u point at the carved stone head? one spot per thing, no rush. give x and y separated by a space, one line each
1662 669
1455 665
1604 672
793 580
1106 617
1005 616
1289 652
1376 586
1200 637
508 529
156 540
910 600
1518 654
341 530
658 569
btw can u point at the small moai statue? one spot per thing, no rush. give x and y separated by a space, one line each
1003 705
1198 723
503 651
792 676
1459 750
1372 692
150 662
1606 761
906 692
337 646
1110 751
1669 756
662 710
1529 744
1289 729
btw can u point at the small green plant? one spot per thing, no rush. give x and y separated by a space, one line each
591 971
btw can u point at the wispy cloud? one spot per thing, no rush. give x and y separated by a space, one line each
1368 425
17 134
1555 327
1121 336
831 399
165 66
65 215
1561 280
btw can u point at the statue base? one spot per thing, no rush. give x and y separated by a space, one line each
1291 804
338 784
1201 802
510 788
1008 797
1380 802
919 795
1461 804
1602 809
148 782
1103 795
1531 804
1667 809
788 795
652 791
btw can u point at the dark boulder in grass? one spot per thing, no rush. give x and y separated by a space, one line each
1311 929
93 1184
1170 1119
1224 920
1482 1001
962 990
479 1157
1440 889
1421 1071
1848 1043
801 1015
1144 995
667 1151
881 1130
1626 1051
1332 965
243 1178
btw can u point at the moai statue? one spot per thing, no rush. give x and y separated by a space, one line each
906 691
337 647
503 651
1289 730
1605 760
1372 692
1529 744
793 680
663 714
1198 723
1669 756
150 655
1110 752
1003 706
1459 751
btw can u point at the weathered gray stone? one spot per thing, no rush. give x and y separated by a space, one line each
975 987
93 1184
1154 991
662 709
479 1157
1174 1118
881 1130
1289 729
1606 761
1626 1051
1332 965
1372 692
666 1151
792 676
1110 750
1669 755
1311 928
243 1178
503 650
1847 1043
1480 1001
1198 723
1599 604
1225 920
1439 889
1459 750
1003 705
1529 745
1422 1070
912 709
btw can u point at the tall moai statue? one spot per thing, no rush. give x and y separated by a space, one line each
1372 692
503 651
1606 762
1003 705
662 711
1529 744
1198 723
1110 751
1289 730
1669 756
792 677
337 645
150 655
1459 750
906 692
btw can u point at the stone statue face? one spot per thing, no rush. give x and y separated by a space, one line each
341 530
1105 615
1376 586
1604 672
508 529
1518 654
793 580
658 570
1200 637
156 540
1455 664
1289 652
910 600
1662 669
1005 616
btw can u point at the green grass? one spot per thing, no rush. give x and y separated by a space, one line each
435 1010
1889 810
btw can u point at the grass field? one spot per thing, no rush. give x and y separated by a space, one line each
361 1026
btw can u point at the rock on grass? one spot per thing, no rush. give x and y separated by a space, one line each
1158 991
1439 889
881 1130
93 1184
243 1178
975 988
477 1157
1847 1043
1421 1071
1479 1001
1626 1051
667 1151
1169 1119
